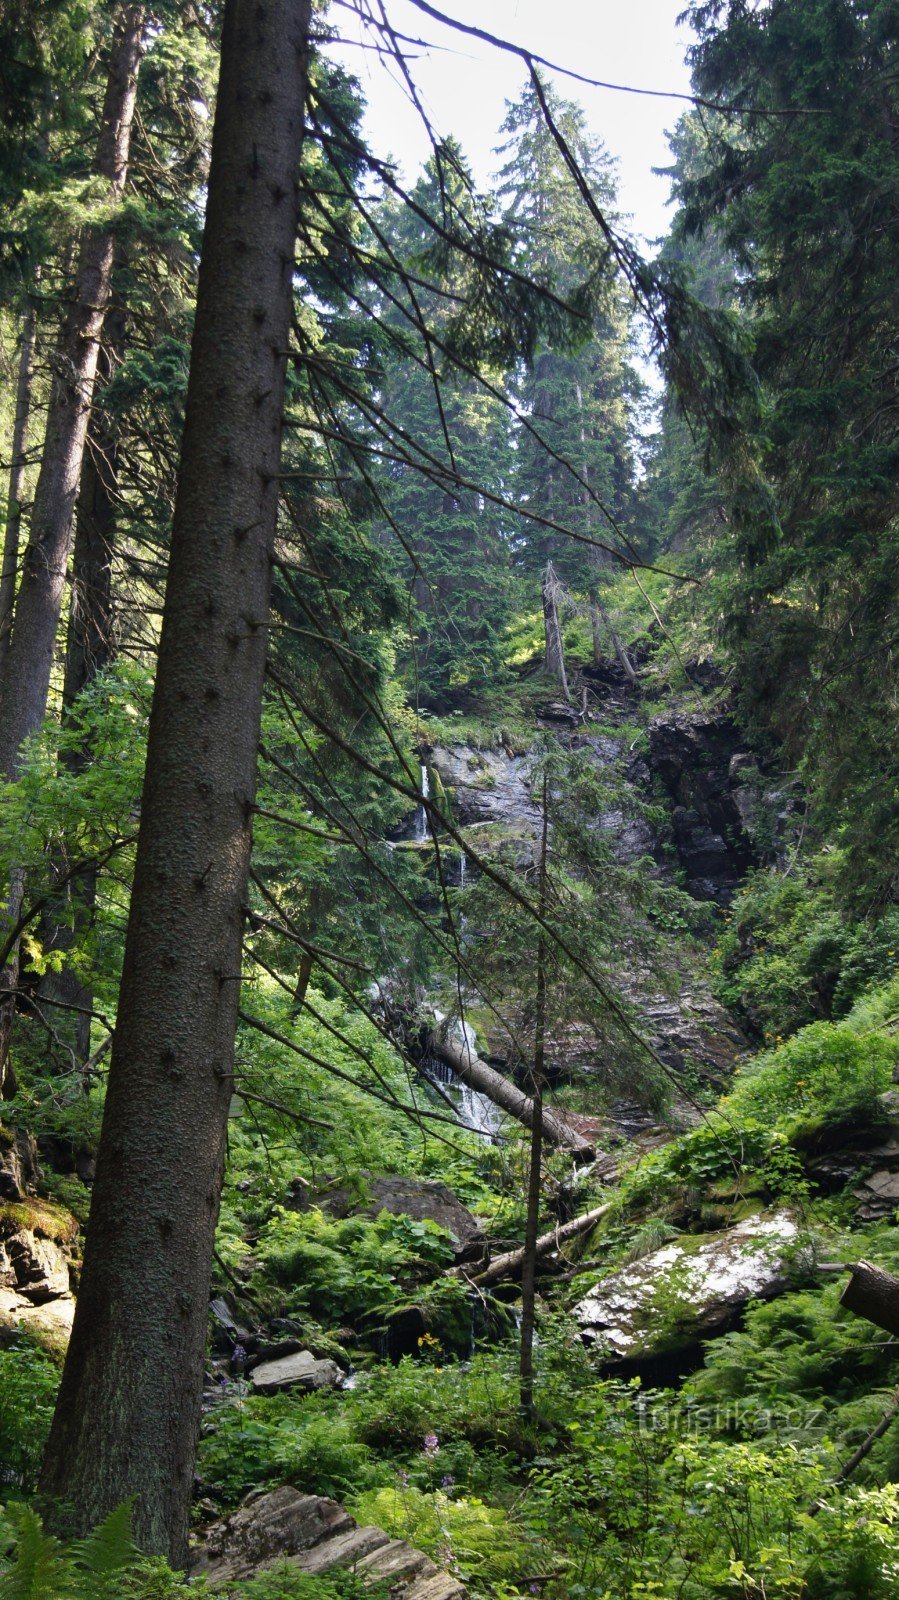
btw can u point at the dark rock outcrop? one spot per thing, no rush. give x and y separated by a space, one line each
691 754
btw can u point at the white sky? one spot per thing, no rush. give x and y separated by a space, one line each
464 86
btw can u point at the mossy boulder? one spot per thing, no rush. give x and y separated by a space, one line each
690 1289
34 1235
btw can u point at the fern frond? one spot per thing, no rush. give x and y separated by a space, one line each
41 1569
108 1548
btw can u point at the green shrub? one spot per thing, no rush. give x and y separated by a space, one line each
104 1566
348 1268
476 1542
286 1438
28 1384
780 958
826 1072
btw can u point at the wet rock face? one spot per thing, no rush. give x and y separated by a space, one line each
487 785
317 1536
698 761
688 1290
492 786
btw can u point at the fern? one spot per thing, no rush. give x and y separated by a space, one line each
108 1550
41 1569
88 1569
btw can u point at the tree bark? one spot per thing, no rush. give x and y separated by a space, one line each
25 684
874 1294
10 561
597 611
127 1416
89 648
506 1265
555 650
532 1219
29 662
478 1075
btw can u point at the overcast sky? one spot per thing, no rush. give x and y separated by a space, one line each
465 84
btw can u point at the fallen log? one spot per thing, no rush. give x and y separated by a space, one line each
874 1294
504 1266
476 1073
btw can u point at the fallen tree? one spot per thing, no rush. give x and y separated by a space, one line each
506 1265
478 1075
874 1294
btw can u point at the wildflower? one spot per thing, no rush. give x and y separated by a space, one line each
447 1481
431 1444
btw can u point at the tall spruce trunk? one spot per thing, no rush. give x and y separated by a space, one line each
29 663
532 1217
25 683
89 648
127 1416
10 559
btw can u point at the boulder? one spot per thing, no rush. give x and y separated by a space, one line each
316 1536
300 1370
50 1324
422 1199
690 1289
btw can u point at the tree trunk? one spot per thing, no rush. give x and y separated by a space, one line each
10 560
25 684
89 648
506 1265
26 680
532 1219
597 611
555 650
478 1075
874 1294
128 1410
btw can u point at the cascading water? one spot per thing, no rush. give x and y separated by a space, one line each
421 826
476 1112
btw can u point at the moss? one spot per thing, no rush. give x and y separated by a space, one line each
48 1221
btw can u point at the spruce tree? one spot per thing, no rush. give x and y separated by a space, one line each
578 394
127 1413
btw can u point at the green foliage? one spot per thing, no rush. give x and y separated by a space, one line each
28 1384
826 1074
473 1541
284 1582
307 1441
780 958
802 564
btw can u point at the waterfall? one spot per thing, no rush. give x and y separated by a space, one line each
475 1111
422 826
